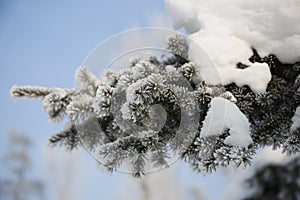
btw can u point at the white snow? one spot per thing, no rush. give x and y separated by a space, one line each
226 31
256 76
223 115
296 120
183 13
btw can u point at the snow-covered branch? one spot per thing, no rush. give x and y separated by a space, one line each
160 107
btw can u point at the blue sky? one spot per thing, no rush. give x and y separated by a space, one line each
43 43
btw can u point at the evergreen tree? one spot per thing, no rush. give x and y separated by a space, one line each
276 182
18 184
119 116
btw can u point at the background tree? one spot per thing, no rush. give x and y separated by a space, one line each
18 183
276 181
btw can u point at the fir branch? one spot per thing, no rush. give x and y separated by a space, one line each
177 44
110 77
113 159
292 144
207 154
190 72
105 109
159 156
102 101
80 107
87 81
143 69
130 148
138 165
68 138
55 104
30 92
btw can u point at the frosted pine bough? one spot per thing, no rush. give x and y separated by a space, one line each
119 117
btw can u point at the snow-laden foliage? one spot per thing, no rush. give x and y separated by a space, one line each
223 115
228 30
161 108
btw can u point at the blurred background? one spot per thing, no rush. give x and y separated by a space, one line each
43 43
